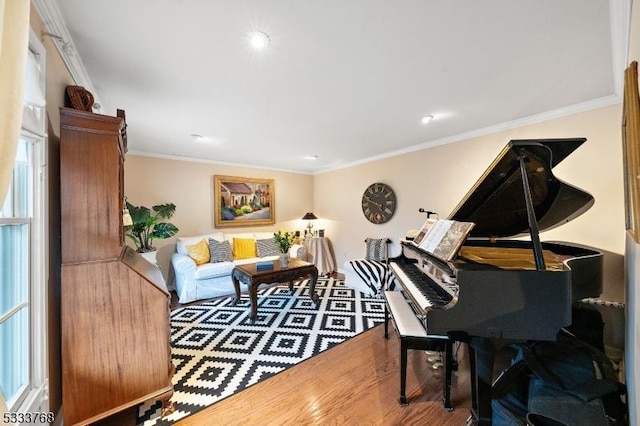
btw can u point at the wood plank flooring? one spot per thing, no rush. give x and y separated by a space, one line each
354 383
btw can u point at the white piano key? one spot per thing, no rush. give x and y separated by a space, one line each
423 303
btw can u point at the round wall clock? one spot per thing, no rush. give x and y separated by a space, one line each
378 203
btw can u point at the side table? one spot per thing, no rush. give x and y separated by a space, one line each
319 253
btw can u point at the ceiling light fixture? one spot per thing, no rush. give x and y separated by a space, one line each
426 119
202 139
259 40
311 157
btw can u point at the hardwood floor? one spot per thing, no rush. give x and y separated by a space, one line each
354 383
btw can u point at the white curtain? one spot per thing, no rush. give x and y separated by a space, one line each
14 42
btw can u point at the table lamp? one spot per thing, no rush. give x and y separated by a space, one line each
309 217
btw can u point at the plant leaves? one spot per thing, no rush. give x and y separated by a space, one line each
163 230
147 226
164 211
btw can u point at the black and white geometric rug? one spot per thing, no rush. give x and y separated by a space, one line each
217 352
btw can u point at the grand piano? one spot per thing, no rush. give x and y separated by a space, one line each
498 289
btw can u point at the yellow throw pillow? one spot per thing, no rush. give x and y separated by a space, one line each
244 248
199 252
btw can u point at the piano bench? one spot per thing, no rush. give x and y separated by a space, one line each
412 335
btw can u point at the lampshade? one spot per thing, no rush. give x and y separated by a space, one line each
309 216
127 220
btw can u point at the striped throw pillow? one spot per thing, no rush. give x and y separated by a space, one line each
376 249
267 247
220 251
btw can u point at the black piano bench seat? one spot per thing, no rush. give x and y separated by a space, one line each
412 335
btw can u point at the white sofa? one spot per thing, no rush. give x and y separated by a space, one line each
197 282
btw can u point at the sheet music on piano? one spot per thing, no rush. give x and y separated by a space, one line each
426 227
443 237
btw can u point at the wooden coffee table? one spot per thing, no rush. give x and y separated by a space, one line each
250 275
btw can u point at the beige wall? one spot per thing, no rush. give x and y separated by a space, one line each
189 185
438 178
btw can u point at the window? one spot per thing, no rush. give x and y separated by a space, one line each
15 224
23 261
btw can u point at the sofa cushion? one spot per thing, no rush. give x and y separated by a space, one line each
183 242
244 248
220 251
199 252
267 247
213 270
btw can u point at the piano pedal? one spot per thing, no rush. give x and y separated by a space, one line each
435 358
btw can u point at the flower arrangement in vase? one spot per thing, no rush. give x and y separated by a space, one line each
284 241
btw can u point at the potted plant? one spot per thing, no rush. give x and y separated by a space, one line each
284 241
149 224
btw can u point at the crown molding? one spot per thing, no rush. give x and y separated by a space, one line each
514 124
55 25
184 158
620 16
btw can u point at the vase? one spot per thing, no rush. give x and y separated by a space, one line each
150 256
284 260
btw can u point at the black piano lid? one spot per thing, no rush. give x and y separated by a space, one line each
496 203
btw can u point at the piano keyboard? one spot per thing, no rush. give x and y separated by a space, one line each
425 291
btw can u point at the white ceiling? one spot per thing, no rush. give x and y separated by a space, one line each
346 80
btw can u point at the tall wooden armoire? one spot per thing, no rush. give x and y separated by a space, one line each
114 304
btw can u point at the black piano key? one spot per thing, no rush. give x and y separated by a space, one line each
437 295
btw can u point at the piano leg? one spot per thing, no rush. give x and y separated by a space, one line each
481 359
386 322
404 347
446 382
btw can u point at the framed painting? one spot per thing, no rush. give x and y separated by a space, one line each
243 201
631 150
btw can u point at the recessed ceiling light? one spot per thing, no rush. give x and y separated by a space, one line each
426 119
202 139
311 157
259 40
